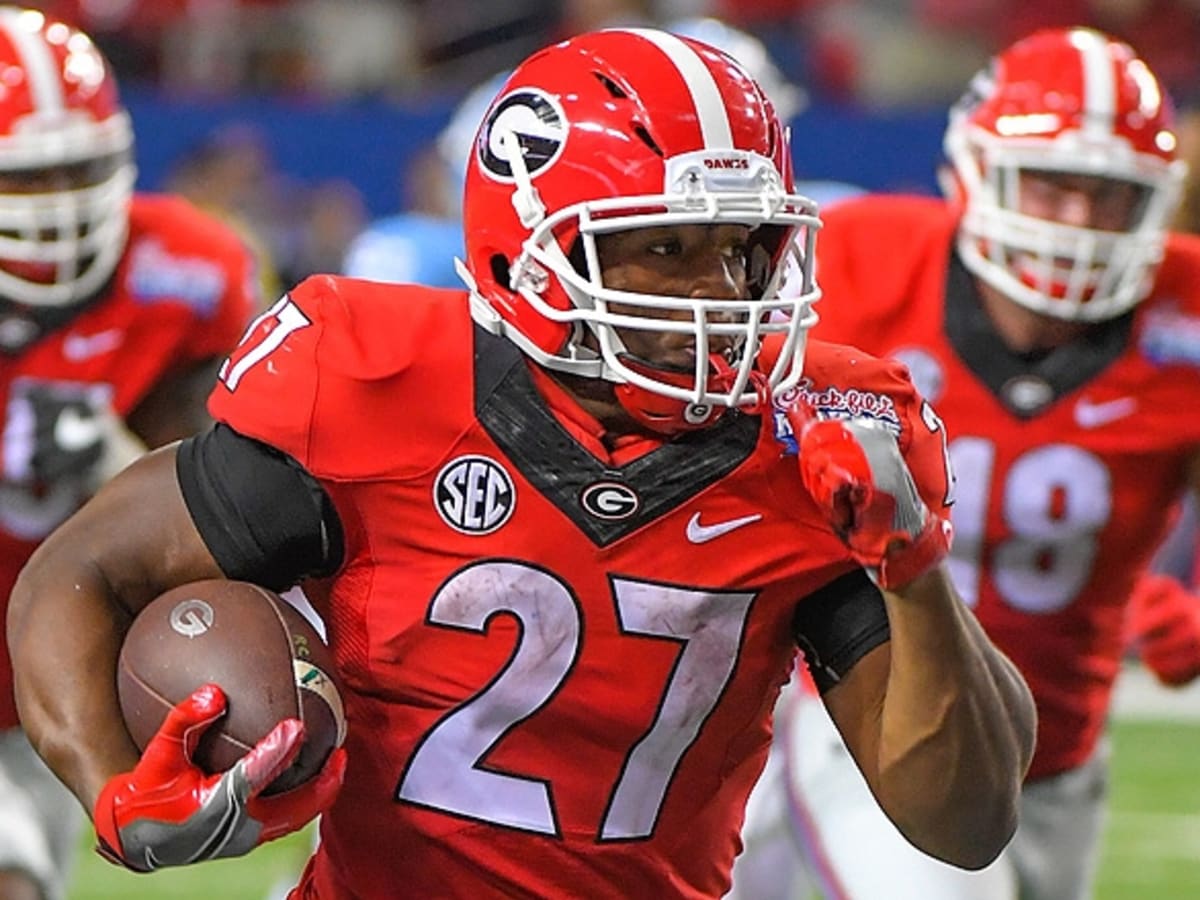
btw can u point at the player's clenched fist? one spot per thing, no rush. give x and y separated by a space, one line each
168 812
854 470
1164 628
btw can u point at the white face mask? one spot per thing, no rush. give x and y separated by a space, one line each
1067 271
59 246
694 194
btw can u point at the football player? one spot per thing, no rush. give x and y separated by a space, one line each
1055 322
564 529
114 311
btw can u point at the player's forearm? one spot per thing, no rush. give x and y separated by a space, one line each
72 604
956 730
65 675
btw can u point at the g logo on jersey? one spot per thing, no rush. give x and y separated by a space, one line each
1027 394
474 495
610 500
540 128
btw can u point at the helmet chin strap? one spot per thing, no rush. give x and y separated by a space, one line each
667 415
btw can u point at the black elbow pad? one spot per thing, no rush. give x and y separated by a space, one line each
838 625
263 516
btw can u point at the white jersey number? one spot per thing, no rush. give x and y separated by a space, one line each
1055 501
447 772
262 338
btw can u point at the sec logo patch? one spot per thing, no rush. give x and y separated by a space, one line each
474 495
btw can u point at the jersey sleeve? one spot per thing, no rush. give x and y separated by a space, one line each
317 371
263 518
266 388
928 457
865 268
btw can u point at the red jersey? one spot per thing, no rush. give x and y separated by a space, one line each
181 293
558 668
1068 466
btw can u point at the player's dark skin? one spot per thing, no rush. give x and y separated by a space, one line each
937 719
16 885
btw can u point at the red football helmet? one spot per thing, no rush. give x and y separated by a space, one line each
1069 101
624 129
66 170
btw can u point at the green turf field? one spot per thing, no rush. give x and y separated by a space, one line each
1153 843
1153 849
246 878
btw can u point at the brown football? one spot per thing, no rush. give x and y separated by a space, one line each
267 658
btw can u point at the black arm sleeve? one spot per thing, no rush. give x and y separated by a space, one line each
838 624
264 518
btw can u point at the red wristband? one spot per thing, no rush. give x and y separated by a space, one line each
906 565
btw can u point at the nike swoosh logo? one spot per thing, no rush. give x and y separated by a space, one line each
1093 415
700 534
73 432
78 347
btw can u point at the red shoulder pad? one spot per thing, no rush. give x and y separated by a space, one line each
332 372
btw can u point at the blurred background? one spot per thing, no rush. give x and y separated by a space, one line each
302 120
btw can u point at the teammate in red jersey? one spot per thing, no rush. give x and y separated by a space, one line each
1055 323
564 529
114 313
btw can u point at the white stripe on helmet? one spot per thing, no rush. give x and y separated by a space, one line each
1099 82
45 86
710 108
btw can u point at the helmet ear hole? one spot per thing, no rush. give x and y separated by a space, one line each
500 268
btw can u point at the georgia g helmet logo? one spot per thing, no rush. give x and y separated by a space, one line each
540 128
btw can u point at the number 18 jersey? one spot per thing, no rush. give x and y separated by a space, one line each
1068 465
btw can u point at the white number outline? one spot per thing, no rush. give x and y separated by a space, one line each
446 771
289 318
1021 586
935 424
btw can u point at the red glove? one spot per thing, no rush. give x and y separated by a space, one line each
168 812
1163 626
854 470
